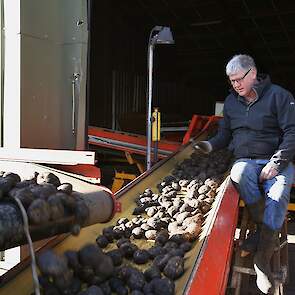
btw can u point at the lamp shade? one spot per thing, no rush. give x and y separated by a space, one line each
163 37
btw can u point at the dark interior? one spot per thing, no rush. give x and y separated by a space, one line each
189 75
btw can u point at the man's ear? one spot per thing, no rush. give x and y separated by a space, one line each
254 73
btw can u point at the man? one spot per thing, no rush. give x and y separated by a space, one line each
259 125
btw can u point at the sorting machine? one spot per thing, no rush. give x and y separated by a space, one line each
207 264
136 144
123 149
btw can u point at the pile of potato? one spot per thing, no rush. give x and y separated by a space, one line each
44 197
183 198
169 220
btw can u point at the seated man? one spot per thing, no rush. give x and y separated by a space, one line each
259 122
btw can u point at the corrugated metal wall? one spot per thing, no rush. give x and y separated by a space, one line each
118 67
128 95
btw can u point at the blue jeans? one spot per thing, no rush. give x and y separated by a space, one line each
276 191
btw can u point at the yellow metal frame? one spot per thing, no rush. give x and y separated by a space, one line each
119 179
132 161
156 125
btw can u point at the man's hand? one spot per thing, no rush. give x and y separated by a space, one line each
204 146
268 172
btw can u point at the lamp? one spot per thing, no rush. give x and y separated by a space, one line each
163 36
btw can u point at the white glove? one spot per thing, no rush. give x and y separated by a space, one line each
268 172
204 146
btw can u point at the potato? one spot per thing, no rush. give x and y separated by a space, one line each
177 238
176 186
174 268
66 188
6 184
73 260
102 241
163 286
90 255
152 273
24 195
13 176
48 177
128 249
192 231
122 220
116 256
172 210
39 212
51 264
92 290
137 232
177 252
211 194
115 284
203 189
69 202
162 237
205 207
183 182
173 226
81 212
145 227
57 210
136 280
105 287
182 216
141 256
105 268
148 192
118 231
64 281
186 208
108 233
160 261
186 246
156 251
43 191
150 234
122 241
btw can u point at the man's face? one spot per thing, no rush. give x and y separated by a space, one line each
243 81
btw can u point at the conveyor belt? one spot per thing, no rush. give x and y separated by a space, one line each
98 200
207 264
124 141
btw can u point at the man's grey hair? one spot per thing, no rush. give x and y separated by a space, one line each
240 62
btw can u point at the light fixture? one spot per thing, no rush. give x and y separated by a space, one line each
158 35
164 36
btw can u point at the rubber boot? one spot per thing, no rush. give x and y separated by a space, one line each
267 242
250 244
256 212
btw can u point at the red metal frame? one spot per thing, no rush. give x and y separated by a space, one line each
211 274
198 124
81 169
140 140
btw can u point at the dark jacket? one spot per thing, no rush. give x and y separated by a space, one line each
263 129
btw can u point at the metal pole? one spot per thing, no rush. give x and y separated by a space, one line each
157 138
149 106
113 100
